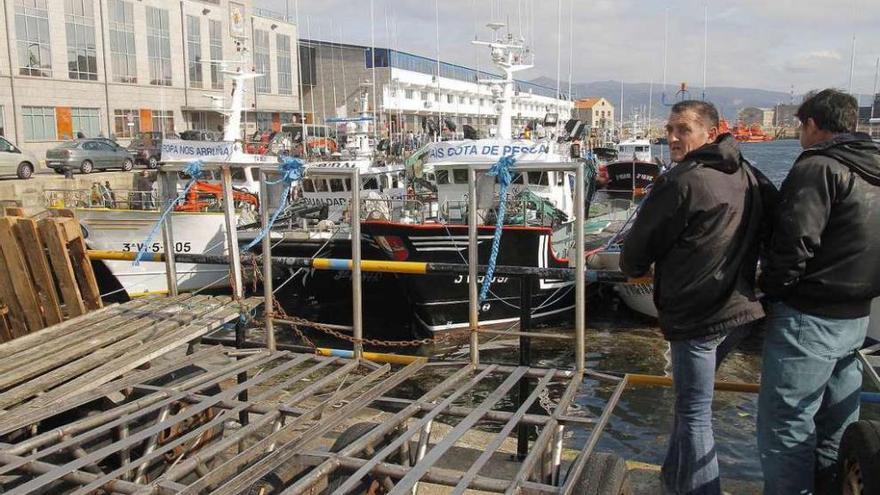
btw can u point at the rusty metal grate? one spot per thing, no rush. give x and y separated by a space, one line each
252 416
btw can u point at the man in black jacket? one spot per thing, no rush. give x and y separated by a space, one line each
822 270
700 226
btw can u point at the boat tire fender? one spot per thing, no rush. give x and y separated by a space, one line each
859 458
604 474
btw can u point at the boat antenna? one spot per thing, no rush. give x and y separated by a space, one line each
342 65
665 56
558 51
312 55
852 63
705 45
373 60
570 43
439 136
302 106
874 93
332 71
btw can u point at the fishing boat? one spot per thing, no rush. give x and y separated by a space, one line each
124 220
539 204
745 133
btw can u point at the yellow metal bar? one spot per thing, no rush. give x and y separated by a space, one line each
378 357
105 254
666 381
409 267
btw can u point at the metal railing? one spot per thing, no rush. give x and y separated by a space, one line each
104 198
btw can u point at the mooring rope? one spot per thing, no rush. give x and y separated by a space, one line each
194 170
291 171
501 171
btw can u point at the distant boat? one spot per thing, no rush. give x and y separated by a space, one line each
745 133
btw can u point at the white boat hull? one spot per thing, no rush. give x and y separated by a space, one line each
874 322
125 230
637 297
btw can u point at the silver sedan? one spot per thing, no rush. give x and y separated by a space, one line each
87 155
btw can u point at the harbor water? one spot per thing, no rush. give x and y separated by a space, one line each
619 341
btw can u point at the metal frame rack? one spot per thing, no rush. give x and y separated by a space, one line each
260 417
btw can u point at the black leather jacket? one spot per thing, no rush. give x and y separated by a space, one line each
701 225
824 257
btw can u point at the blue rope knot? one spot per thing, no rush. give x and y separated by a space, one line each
501 171
292 170
194 170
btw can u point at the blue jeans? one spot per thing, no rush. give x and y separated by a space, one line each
691 465
810 386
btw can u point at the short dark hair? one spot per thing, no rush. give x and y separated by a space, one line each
831 109
704 109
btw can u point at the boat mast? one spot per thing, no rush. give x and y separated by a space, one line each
509 55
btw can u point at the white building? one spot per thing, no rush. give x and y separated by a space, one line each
120 67
408 89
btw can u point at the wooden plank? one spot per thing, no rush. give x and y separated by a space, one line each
29 239
26 366
21 278
53 237
17 322
13 211
82 266
5 331
138 349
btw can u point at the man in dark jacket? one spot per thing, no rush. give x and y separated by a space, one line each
822 269
700 226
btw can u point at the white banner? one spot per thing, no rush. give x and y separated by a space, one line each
489 151
179 150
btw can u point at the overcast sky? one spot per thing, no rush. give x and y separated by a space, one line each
766 44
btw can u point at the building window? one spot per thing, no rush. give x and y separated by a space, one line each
86 121
215 33
122 46
126 123
424 95
261 61
32 36
163 121
194 50
264 121
79 18
408 94
285 74
159 46
39 123
198 120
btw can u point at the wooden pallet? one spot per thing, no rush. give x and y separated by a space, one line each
45 274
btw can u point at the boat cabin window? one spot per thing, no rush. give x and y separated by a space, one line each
460 175
443 177
560 178
518 178
383 180
238 174
320 185
538 178
371 183
641 149
336 185
348 184
308 185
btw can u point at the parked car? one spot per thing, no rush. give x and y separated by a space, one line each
200 135
147 148
14 161
88 155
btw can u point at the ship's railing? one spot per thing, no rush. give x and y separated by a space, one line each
520 211
399 210
100 198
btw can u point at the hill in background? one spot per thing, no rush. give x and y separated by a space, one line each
728 100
